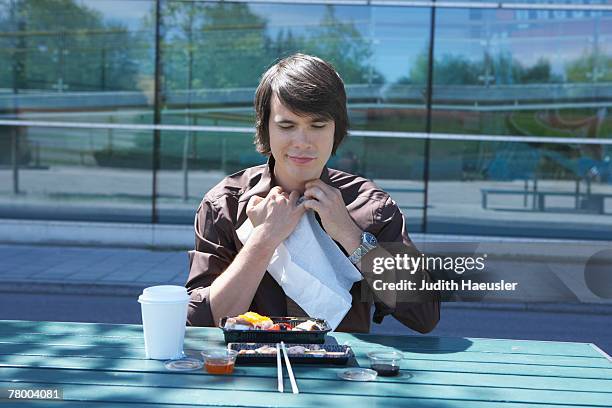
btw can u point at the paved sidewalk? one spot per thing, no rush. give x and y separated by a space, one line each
87 270
126 271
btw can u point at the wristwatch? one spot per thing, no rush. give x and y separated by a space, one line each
368 243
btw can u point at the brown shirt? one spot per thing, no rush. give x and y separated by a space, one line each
222 212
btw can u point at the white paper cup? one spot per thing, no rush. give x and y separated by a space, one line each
164 316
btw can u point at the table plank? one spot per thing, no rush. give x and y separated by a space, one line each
131 335
325 391
130 352
284 400
94 404
407 376
330 374
425 377
123 364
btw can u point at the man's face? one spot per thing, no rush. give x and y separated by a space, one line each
301 145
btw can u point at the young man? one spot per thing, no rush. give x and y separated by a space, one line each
301 116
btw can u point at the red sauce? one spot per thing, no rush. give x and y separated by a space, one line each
223 367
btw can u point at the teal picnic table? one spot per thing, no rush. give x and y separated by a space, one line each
101 365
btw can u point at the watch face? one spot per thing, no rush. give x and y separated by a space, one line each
370 239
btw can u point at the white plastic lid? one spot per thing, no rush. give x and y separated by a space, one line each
164 294
358 374
184 364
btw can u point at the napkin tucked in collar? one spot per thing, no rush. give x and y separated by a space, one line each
312 270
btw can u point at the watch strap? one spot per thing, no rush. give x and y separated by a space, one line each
361 250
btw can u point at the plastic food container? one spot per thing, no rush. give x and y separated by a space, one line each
270 336
317 354
219 361
385 363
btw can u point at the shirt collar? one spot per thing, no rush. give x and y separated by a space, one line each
266 182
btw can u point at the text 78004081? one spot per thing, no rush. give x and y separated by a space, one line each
31 393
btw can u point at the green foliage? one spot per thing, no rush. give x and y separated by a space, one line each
538 73
227 45
591 67
450 69
342 44
46 41
457 69
220 45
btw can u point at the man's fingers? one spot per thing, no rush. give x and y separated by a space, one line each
312 205
254 201
275 191
301 209
326 188
316 193
329 191
315 182
293 198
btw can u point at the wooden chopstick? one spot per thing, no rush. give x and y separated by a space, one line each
279 369
294 386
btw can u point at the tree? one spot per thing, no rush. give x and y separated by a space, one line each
593 66
541 72
342 44
223 44
449 69
62 46
453 69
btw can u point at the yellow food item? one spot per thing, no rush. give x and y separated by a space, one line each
255 318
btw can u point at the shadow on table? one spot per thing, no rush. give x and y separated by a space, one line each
414 344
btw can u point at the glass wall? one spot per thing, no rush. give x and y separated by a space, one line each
530 73
215 52
62 179
79 62
519 107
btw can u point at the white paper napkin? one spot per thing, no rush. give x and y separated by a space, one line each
312 270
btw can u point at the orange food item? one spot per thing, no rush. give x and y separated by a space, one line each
225 367
256 320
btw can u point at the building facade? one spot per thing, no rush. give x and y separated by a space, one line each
485 118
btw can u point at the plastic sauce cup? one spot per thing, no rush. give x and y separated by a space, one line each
219 361
385 363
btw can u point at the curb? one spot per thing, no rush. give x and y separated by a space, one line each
76 288
135 289
579 308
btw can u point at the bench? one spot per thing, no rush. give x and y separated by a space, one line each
587 201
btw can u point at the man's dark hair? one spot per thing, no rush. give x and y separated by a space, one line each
306 85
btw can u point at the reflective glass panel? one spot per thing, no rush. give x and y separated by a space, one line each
535 74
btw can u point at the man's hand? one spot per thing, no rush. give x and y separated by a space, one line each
277 215
328 203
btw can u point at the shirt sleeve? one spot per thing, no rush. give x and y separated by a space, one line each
213 253
418 310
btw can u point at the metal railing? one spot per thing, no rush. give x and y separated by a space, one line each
360 133
432 4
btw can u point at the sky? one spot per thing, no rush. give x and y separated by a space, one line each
399 34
